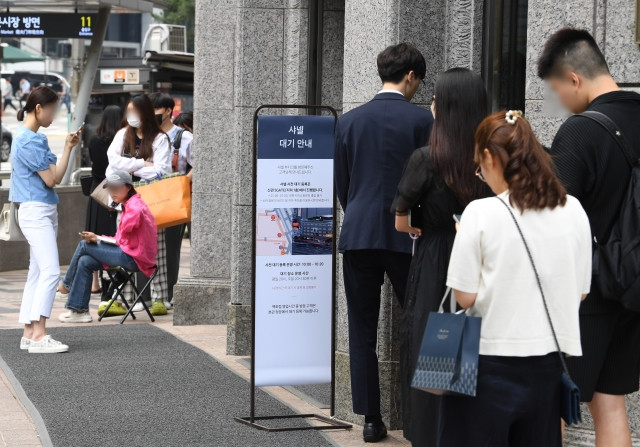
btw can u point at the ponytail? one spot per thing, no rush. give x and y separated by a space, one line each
527 166
40 95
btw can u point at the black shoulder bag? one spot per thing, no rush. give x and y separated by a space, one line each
570 410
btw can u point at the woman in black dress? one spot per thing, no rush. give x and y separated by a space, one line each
437 183
100 220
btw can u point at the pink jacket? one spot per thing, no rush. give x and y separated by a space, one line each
137 234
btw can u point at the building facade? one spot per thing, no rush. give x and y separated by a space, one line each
254 52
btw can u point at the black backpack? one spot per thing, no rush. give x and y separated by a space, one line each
616 263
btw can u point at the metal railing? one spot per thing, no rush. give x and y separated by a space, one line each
75 175
74 179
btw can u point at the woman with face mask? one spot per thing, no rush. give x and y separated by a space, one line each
35 172
142 149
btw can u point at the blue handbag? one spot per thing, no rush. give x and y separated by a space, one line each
570 410
448 358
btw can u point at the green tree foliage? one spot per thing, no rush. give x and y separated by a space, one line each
181 12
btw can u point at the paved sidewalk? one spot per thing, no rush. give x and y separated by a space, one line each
17 428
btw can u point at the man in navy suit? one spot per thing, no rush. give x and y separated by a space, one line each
372 144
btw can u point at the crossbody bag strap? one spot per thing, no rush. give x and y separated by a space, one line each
632 156
535 270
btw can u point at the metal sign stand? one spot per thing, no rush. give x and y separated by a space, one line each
332 424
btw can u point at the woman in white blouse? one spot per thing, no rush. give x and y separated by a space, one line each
141 147
144 150
519 372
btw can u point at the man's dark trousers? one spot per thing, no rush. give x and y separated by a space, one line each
363 278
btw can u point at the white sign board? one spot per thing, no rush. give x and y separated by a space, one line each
294 250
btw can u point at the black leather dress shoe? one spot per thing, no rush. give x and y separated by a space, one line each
374 431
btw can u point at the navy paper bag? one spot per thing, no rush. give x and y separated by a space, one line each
448 359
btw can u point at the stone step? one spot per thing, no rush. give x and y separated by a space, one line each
584 437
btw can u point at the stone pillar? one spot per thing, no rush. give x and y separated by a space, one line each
463 48
203 297
248 53
270 68
612 24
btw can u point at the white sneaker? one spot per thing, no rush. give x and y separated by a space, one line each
167 304
139 307
62 296
75 317
24 343
47 346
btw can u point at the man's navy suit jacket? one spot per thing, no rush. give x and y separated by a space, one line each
372 145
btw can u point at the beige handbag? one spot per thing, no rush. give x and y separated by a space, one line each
101 195
9 227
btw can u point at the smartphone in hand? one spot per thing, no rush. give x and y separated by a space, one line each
80 129
457 218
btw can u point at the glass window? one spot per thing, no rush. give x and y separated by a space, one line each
505 52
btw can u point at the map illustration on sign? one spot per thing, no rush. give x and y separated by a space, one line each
294 231
274 230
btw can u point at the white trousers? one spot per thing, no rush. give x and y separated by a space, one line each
39 224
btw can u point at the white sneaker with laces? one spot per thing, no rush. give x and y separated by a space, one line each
24 343
75 317
47 346
168 304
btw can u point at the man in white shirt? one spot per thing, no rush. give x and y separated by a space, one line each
25 89
182 161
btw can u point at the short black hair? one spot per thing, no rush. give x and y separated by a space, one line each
184 119
396 61
162 101
572 49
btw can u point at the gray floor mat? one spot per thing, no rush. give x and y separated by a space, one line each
136 385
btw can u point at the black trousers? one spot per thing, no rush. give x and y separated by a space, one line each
363 278
517 405
173 241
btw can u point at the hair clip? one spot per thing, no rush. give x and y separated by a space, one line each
512 116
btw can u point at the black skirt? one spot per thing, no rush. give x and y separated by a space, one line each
100 220
425 288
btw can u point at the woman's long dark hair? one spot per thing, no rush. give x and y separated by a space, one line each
40 95
150 129
461 104
110 123
527 166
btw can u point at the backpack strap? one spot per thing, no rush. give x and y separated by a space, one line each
632 156
177 141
